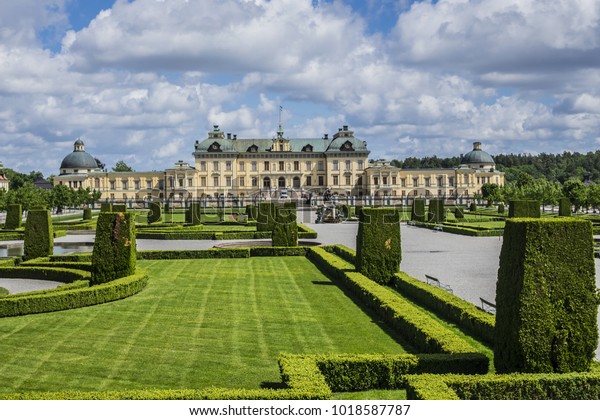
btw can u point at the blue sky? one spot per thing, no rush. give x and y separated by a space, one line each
142 80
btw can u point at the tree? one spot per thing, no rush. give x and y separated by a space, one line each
576 191
121 166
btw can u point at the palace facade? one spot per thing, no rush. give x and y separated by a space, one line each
279 167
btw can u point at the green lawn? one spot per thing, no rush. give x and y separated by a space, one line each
199 323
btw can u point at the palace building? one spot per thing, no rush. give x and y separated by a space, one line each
279 167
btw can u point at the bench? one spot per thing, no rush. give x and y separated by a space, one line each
435 282
488 306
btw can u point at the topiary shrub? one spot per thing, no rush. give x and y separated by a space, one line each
87 214
417 212
459 213
14 215
378 244
437 212
564 207
473 206
119 208
167 206
114 254
524 208
546 316
106 207
39 235
251 211
501 208
265 219
155 212
285 229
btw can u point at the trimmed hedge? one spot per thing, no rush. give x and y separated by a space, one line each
378 244
478 322
106 207
285 229
75 298
304 232
119 208
251 211
459 213
569 386
400 314
14 216
87 214
114 252
437 211
547 304
347 254
80 257
45 262
273 251
524 208
155 212
564 207
194 254
59 274
501 208
417 211
39 236
265 219
473 207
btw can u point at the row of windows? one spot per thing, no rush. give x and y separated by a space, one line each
266 182
281 165
427 181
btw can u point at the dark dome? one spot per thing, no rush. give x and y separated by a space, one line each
477 156
79 160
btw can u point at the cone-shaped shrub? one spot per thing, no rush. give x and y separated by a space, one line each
14 215
285 229
87 214
378 248
546 316
417 212
437 212
524 208
251 211
473 206
114 254
39 236
501 208
459 213
265 219
564 207
155 212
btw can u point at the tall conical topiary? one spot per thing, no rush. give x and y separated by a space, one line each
14 216
114 254
39 235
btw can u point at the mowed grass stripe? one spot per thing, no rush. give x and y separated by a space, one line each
199 323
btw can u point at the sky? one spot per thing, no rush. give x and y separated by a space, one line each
142 80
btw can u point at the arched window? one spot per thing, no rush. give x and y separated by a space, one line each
281 182
266 182
296 182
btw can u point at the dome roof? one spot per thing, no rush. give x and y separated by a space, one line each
477 156
79 158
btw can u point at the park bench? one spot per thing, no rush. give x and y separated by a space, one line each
488 306
435 282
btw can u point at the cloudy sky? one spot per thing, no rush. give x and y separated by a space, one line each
142 80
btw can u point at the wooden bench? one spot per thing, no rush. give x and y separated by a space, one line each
488 306
435 282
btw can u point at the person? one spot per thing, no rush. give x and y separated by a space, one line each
327 196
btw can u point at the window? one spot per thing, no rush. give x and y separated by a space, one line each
403 182
190 182
148 184
161 184
440 181
415 182
281 165
281 148
376 180
360 165
451 181
308 181
335 180
308 165
296 165
171 182
427 182
112 185
215 181
242 182
216 165
359 180
242 166
228 181
266 182
385 180
228 165
136 184
96 183
321 180
347 165
320 165
348 180
296 182
254 181
203 166
394 180
336 165
180 182
254 166
266 165
203 181
466 179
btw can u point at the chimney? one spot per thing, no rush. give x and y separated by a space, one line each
235 136
228 136
477 145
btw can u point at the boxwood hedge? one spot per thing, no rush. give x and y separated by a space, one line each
114 252
155 212
39 235
285 229
564 207
265 219
524 208
417 212
437 211
14 215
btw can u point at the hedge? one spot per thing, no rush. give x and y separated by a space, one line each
285 229
77 284
87 214
564 207
459 213
378 244
114 252
38 240
342 251
155 212
446 305
437 211
59 274
473 207
79 257
44 262
14 216
106 207
501 208
460 230
569 386
417 212
265 219
401 315
274 251
304 232
251 211
75 298
524 208
547 304
194 254
119 208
